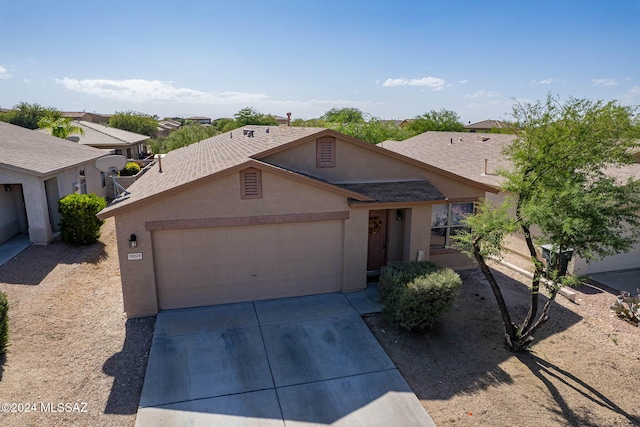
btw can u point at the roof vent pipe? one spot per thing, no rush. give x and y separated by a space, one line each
159 163
486 162
451 142
288 119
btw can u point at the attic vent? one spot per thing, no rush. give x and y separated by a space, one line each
326 152
482 138
250 184
248 133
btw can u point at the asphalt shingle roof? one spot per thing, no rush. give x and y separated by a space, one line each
96 134
40 154
466 155
210 156
461 153
396 192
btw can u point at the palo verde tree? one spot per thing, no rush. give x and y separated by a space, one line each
135 122
344 115
29 115
560 189
249 116
443 120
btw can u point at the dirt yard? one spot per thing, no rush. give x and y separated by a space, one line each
584 369
71 344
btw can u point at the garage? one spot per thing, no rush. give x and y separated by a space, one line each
205 266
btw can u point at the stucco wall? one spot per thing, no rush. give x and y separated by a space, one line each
35 199
220 198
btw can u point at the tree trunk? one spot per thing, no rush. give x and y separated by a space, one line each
509 328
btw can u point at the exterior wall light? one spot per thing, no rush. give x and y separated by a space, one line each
133 241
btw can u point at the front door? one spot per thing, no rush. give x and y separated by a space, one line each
377 252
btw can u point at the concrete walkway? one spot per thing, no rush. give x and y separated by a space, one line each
13 247
303 361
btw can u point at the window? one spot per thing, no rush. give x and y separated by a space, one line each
326 152
446 221
250 184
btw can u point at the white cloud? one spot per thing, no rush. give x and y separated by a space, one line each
634 92
483 94
155 91
4 73
543 81
604 82
433 82
463 81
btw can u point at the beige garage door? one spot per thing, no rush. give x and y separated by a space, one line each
208 266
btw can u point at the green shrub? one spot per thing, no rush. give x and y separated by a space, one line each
79 225
415 294
4 323
130 169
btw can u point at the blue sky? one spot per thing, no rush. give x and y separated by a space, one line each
392 59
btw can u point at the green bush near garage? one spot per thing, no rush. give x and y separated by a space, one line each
415 294
79 224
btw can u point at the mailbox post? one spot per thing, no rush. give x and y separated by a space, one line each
550 254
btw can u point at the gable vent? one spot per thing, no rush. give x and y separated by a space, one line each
250 184
326 152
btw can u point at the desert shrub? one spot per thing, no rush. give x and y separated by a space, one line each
130 169
79 224
4 323
415 294
627 307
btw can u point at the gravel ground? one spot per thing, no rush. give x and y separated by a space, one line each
71 344
70 341
583 370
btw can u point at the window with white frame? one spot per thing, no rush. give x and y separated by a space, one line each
446 221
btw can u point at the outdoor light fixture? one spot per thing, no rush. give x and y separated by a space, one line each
7 188
133 241
399 215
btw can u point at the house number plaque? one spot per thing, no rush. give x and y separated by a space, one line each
136 256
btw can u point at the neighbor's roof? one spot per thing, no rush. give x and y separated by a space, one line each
461 153
40 154
96 135
464 154
207 157
488 124
396 192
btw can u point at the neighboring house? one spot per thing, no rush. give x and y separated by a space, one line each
165 127
282 121
36 170
86 117
200 120
487 126
477 157
268 212
121 142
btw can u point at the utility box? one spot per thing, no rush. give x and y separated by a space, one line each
550 254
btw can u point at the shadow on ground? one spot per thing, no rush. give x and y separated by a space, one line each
463 351
3 360
25 270
545 371
128 367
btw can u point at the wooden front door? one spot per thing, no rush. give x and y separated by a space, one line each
377 252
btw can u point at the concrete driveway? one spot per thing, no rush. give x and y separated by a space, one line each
288 362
